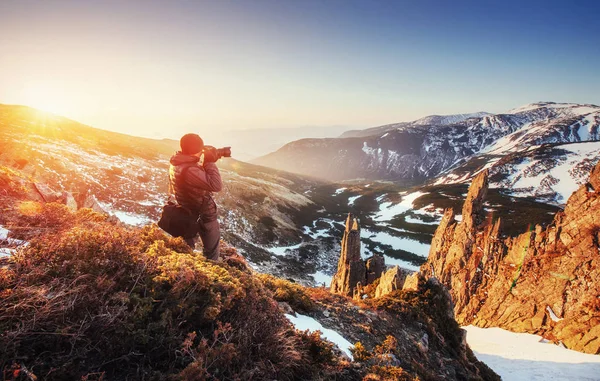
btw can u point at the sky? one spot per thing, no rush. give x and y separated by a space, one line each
163 68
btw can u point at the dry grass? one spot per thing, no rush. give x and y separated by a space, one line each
89 299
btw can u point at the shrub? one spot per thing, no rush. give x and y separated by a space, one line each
360 353
91 299
285 291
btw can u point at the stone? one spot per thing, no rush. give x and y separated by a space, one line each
48 195
92 203
391 280
31 193
595 178
375 267
69 200
286 308
411 282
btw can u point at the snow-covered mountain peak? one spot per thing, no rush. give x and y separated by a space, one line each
573 109
445 120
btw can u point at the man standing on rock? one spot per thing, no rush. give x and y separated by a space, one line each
193 176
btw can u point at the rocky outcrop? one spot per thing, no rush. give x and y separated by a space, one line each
543 281
391 280
353 273
413 281
92 203
419 325
375 267
48 195
69 201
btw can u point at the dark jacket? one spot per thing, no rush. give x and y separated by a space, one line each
194 190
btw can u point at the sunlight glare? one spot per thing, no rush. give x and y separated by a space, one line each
47 96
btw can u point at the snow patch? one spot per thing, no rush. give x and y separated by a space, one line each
321 278
397 243
553 315
303 322
388 210
283 250
352 199
3 233
131 218
6 252
126 217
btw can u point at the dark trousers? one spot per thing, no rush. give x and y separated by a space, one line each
210 234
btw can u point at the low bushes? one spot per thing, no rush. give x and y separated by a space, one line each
285 291
93 299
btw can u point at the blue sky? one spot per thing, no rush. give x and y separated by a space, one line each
158 68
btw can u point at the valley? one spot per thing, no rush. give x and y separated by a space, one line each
285 224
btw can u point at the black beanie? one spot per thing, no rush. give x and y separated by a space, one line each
191 144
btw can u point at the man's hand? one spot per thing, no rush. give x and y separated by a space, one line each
210 154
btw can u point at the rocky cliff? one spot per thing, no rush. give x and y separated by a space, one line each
542 281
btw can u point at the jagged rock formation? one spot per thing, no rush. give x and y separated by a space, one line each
391 280
353 272
413 281
543 281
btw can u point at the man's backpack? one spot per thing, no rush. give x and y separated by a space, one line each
177 220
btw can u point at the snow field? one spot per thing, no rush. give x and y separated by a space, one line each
525 357
283 250
388 210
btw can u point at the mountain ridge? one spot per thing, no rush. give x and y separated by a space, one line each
414 154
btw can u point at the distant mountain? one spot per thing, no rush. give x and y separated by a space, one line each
416 152
431 120
252 143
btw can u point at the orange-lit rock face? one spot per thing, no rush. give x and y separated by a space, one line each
543 281
351 268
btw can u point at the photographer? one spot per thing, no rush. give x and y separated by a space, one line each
193 176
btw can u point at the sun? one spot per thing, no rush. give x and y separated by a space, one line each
47 96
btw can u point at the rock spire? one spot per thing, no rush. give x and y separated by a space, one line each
353 272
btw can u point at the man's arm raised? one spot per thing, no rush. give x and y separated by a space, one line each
209 179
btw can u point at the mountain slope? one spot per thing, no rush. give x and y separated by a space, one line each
549 172
431 120
412 153
126 176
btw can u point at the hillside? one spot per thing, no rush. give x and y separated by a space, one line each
85 296
452 147
126 176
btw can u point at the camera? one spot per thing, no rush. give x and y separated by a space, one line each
223 152
218 152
